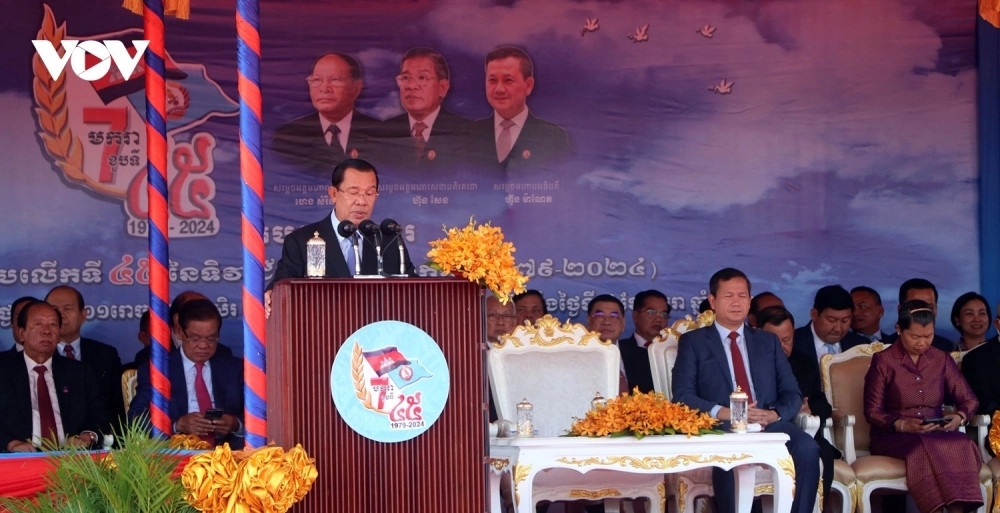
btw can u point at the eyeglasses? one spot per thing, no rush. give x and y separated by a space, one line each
422 79
355 194
198 339
651 312
601 315
316 81
496 317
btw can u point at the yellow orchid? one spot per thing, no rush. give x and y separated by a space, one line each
642 414
480 255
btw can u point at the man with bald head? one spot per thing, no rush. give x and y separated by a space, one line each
336 130
499 318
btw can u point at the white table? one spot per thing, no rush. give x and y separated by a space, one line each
523 458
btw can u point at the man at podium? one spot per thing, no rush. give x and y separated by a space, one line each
353 191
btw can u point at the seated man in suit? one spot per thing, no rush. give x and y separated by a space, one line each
829 330
15 308
650 314
47 399
102 359
868 312
513 137
924 290
499 318
529 306
201 379
713 360
353 191
336 131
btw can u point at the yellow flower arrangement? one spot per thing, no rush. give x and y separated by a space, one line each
265 480
188 443
479 254
641 414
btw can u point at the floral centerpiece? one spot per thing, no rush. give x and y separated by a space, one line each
264 480
641 414
480 255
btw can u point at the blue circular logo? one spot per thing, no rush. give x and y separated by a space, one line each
390 381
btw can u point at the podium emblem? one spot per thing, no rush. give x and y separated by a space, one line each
390 381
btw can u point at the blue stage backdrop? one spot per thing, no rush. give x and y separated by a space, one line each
807 143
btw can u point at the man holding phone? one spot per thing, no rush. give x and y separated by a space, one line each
206 386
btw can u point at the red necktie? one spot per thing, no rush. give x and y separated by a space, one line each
68 352
46 415
622 383
739 370
418 138
204 398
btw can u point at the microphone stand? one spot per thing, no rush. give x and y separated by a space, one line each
357 254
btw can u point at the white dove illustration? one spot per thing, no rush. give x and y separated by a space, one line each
640 36
590 26
723 87
707 30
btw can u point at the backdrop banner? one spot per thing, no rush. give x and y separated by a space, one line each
806 143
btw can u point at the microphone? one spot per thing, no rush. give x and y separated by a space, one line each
368 227
346 229
391 227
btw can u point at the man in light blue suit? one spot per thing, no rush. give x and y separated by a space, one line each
704 376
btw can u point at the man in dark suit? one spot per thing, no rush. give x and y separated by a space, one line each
353 192
15 308
426 137
829 330
650 314
868 312
711 361
102 359
336 131
512 137
72 395
192 368
924 290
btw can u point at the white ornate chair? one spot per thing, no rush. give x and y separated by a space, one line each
844 384
559 368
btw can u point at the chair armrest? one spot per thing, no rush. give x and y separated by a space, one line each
844 434
978 430
808 423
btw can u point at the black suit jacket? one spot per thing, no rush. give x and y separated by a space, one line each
303 142
448 146
981 368
81 406
540 143
227 390
804 345
104 361
293 255
635 359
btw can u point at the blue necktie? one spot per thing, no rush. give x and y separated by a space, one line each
348 246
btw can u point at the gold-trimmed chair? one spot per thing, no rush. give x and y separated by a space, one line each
558 368
129 385
843 378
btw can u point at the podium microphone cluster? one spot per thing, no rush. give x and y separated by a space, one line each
373 234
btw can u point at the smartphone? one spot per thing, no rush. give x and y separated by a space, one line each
941 421
213 414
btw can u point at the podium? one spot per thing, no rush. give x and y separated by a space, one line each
443 469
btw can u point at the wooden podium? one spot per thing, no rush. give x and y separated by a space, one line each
443 469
